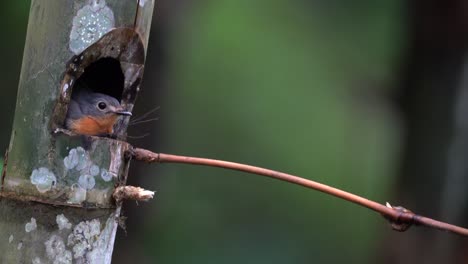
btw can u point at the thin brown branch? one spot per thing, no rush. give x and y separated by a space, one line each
400 218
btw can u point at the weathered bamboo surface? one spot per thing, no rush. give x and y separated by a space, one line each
56 189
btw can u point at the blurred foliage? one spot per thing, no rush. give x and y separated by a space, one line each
14 15
288 85
284 85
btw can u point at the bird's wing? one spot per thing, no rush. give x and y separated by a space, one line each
74 113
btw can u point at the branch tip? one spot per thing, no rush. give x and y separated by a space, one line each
132 193
403 220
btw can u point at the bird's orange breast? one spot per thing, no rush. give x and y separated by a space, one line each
93 126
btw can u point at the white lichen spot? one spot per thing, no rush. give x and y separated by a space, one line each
43 179
13 182
10 239
20 245
86 181
90 24
77 195
105 175
71 160
79 164
84 237
94 170
83 159
31 226
56 250
36 260
78 159
63 222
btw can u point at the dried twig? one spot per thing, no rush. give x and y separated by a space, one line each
400 218
132 193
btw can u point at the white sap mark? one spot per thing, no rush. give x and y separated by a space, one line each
36 260
84 238
14 182
90 24
142 2
10 239
65 88
31 226
20 245
105 175
63 222
56 250
86 181
43 179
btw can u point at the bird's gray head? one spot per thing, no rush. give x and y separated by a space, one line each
99 105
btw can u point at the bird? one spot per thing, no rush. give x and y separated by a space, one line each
93 114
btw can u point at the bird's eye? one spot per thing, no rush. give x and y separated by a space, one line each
102 105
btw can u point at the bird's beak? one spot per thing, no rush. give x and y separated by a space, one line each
119 111
123 112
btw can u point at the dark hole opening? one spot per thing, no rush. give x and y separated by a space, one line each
103 76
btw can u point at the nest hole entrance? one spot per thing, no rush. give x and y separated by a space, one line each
102 76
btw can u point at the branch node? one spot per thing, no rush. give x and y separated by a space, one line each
146 155
404 219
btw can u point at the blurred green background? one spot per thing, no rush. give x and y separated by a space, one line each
355 94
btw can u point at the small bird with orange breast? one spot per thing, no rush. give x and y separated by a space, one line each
93 114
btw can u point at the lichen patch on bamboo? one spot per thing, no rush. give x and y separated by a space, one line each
87 240
86 181
80 166
106 175
90 24
56 250
63 222
30 226
43 179
77 195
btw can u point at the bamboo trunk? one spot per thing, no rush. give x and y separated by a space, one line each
56 193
